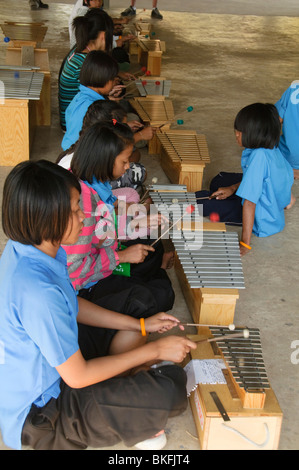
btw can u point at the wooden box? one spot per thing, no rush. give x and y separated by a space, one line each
28 56
17 127
150 53
183 156
248 428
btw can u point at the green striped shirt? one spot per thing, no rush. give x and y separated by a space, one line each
69 81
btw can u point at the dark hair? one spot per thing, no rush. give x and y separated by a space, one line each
97 150
260 126
103 110
36 202
98 69
88 27
99 111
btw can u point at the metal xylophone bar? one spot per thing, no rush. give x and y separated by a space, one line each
153 87
173 195
21 84
210 259
244 358
214 261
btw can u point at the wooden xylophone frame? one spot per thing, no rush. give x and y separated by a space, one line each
20 33
255 423
209 306
150 54
154 110
245 365
183 156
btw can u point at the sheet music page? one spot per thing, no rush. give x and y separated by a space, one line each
207 371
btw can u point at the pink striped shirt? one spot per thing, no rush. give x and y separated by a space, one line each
91 259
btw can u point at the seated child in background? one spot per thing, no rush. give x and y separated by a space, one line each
264 188
102 154
94 31
288 109
106 110
97 76
67 381
81 7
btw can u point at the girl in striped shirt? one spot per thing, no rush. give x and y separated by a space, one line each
102 154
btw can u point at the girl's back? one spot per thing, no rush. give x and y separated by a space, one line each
267 181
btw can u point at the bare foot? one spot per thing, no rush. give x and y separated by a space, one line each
293 200
168 260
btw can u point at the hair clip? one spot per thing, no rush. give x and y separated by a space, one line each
114 121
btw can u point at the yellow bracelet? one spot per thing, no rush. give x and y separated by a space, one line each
246 246
142 326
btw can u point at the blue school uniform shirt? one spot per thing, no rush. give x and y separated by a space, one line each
38 332
288 109
267 181
75 113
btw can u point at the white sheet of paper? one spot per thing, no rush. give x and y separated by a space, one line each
207 371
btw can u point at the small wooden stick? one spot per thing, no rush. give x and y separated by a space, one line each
244 334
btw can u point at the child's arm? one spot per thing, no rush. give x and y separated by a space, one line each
224 193
94 315
78 373
247 225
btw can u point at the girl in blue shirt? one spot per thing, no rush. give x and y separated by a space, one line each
288 109
265 188
65 368
97 78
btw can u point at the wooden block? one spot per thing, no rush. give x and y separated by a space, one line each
17 128
150 54
154 62
27 55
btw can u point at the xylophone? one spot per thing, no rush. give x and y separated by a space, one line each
35 59
210 274
156 111
184 155
20 90
142 28
241 411
150 54
20 84
153 86
24 33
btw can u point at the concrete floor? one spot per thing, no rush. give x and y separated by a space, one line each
220 57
